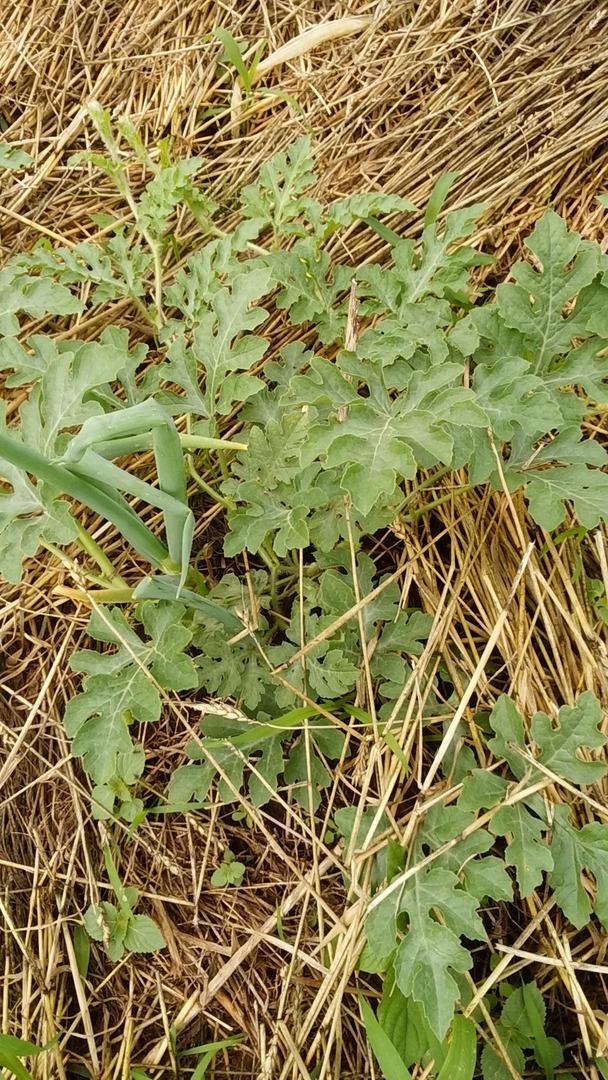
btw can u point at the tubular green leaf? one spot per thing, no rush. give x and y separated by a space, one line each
166 587
93 467
179 521
130 444
169 460
136 420
179 526
201 442
110 506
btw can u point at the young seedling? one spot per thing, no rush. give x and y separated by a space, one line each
116 925
229 872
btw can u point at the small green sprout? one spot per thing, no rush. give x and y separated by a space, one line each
229 872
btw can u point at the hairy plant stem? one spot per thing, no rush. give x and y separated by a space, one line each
64 558
274 596
424 484
111 596
124 189
415 514
202 442
93 549
109 574
143 311
228 504
221 456
268 556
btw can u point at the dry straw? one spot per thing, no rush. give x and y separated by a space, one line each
511 93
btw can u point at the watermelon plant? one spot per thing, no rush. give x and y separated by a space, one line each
395 373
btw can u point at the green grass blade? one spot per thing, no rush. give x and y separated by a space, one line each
291 721
253 65
383 231
438 196
12 1048
272 91
202 1066
386 1055
233 53
82 949
208 1054
213 1047
14 1066
395 749
12 1045
462 1056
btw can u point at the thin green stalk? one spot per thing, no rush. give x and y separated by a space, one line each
221 456
268 556
436 502
430 480
93 549
64 558
143 311
222 500
158 277
221 235
111 596
124 189
274 597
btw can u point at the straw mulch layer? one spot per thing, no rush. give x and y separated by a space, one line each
512 95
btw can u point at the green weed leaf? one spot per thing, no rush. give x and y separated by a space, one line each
509 737
12 157
359 207
121 687
558 744
310 288
33 295
522 1027
142 935
222 346
277 199
29 515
